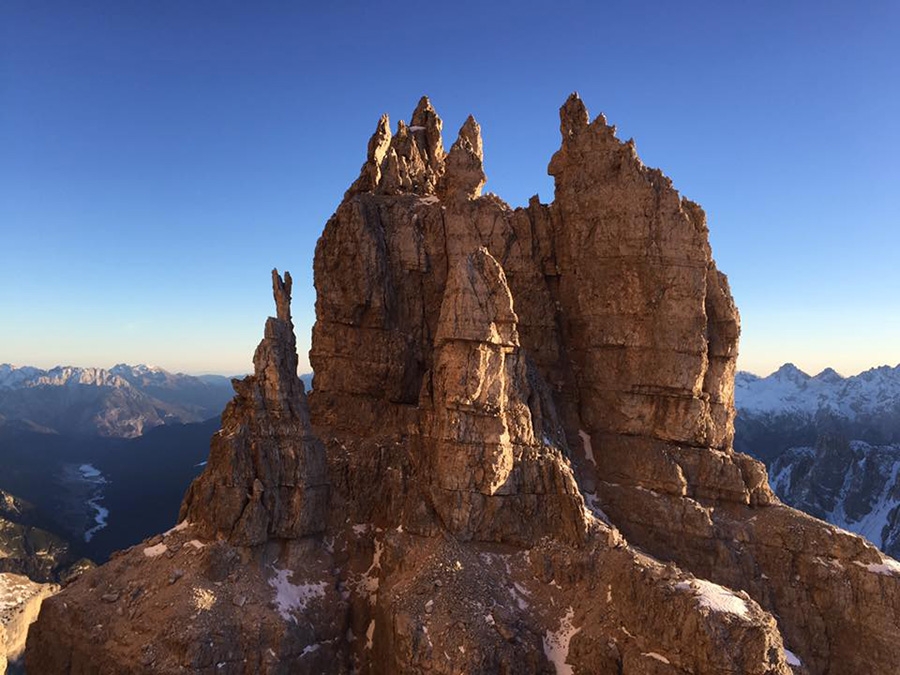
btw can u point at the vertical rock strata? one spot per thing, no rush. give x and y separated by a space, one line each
637 288
506 401
496 474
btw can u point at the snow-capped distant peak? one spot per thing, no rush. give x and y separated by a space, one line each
139 369
12 376
790 372
791 391
829 375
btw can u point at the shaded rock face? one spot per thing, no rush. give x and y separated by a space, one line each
266 475
507 404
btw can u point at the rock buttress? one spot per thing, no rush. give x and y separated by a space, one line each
496 473
266 475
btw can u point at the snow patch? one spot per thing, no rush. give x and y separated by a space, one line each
654 655
289 597
178 528
309 649
792 658
593 509
520 594
714 597
370 580
586 445
887 567
370 633
556 643
155 551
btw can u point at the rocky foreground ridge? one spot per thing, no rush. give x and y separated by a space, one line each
517 458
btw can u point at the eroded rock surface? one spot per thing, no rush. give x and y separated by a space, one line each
517 457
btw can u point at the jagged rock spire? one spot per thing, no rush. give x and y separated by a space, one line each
370 174
282 291
275 360
266 475
409 161
426 126
464 167
573 117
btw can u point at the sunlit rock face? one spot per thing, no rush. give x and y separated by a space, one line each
517 457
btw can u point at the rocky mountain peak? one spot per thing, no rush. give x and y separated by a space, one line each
573 117
829 375
464 169
789 371
518 456
275 360
425 127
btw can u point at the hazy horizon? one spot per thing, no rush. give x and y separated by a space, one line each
307 370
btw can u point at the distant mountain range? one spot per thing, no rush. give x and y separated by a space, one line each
124 401
832 444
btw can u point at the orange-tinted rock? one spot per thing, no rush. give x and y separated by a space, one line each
497 474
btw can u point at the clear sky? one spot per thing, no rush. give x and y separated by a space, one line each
158 159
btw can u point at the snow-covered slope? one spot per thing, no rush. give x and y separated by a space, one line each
123 401
848 483
790 390
832 444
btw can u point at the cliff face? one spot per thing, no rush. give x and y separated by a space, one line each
506 400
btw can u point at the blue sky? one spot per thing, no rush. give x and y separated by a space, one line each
157 159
